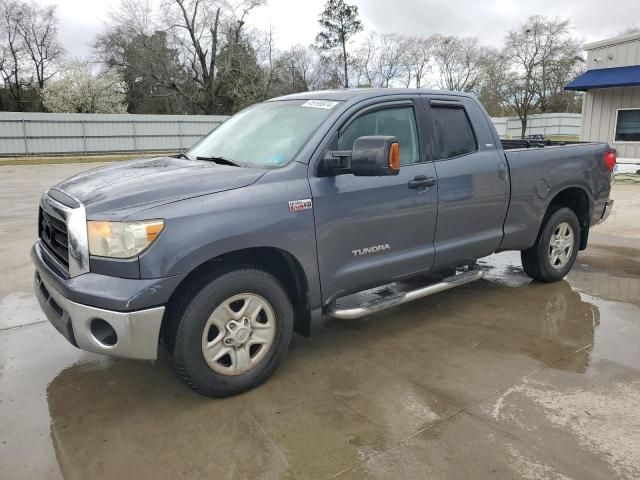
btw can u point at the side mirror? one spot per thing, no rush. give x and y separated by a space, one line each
371 156
375 156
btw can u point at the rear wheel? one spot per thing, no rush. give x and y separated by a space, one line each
233 333
556 248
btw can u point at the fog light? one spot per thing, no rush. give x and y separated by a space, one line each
103 332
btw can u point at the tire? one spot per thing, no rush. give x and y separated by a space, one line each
249 342
540 261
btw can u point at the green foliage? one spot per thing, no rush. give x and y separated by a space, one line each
152 75
339 22
239 77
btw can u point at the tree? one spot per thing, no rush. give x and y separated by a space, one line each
79 90
493 80
201 29
154 79
240 79
541 57
12 52
331 70
381 60
136 46
299 69
339 22
28 48
631 29
38 30
458 61
417 59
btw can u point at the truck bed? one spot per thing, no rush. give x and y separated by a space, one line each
537 171
516 143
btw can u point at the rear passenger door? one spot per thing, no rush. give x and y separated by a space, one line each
472 181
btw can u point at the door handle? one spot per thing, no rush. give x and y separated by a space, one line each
422 181
502 171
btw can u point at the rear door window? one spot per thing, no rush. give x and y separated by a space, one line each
453 131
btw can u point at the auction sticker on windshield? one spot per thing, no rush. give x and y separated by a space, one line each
319 104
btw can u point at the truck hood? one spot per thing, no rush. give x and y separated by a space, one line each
124 188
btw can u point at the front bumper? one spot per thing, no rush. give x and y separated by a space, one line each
136 333
607 211
133 308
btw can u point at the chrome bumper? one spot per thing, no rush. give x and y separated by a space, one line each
137 332
607 211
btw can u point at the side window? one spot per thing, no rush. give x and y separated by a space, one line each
399 122
628 125
453 129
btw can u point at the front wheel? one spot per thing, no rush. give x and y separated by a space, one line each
233 333
556 248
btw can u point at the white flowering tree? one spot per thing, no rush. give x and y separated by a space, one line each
79 90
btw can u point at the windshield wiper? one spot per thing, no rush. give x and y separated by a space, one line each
220 161
181 155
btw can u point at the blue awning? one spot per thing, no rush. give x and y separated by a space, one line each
606 78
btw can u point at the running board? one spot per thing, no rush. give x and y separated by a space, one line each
382 303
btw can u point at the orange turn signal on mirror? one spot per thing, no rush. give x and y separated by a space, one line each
394 157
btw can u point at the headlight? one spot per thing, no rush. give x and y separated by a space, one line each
122 239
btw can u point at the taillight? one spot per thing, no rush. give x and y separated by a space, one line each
610 160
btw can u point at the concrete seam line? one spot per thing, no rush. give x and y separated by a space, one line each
525 443
22 326
437 422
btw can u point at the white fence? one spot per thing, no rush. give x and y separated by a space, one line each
85 134
78 133
546 124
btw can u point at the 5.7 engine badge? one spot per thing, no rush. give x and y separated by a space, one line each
298 205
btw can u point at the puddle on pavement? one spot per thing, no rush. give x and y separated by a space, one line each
601 305
346 392
18 309
504 268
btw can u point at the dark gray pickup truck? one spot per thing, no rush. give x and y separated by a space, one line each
291 206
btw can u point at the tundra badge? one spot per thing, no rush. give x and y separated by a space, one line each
367 250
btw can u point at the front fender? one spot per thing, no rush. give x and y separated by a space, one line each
200 229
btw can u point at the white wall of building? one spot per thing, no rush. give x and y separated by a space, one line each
599 117
600 106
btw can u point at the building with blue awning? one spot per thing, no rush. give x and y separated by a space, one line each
611 105
606 78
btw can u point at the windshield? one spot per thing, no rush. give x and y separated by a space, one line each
268 134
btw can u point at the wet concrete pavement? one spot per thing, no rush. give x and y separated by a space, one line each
502 378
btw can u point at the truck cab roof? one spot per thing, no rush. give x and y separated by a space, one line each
347 94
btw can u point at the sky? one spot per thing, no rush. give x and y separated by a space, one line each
295 21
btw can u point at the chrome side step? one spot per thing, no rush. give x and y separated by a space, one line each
383 303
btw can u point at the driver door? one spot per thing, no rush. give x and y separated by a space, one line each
374 230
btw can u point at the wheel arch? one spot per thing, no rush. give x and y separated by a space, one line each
580 202
279 263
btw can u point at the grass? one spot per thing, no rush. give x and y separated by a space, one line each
52 160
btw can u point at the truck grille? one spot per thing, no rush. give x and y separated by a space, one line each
52 232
